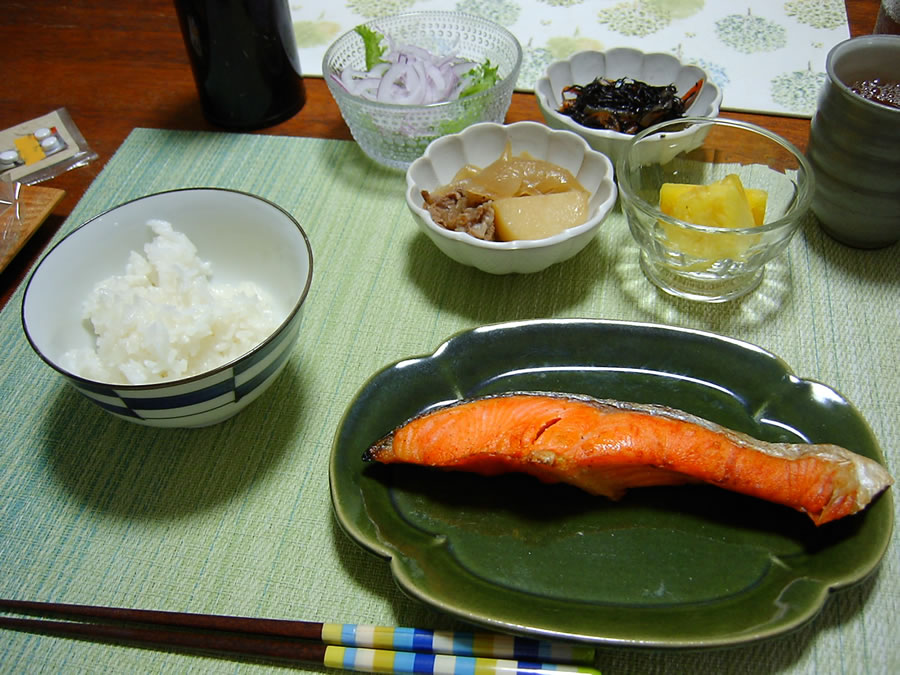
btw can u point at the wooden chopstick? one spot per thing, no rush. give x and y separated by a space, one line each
220 642
347 646
303 630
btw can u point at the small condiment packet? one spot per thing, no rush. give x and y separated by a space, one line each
42 148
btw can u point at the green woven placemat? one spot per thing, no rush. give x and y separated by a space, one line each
236 518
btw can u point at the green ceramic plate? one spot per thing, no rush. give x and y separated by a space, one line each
668 567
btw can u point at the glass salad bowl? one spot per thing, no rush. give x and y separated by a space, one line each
393 130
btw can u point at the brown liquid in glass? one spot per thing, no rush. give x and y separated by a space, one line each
879 90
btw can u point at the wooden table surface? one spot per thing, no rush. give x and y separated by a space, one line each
120 65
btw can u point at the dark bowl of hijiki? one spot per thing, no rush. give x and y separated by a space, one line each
607 97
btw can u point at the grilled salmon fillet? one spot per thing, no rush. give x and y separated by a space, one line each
605 447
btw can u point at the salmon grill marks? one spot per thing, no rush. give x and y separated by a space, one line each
606 447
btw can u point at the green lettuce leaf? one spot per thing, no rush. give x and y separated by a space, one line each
483 76
372 40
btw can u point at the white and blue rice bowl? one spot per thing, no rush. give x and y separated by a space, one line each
244 237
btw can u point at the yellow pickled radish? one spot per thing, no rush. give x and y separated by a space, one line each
725 204
671 194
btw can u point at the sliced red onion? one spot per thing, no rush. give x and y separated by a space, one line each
410 75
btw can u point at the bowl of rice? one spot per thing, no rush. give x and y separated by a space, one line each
177 309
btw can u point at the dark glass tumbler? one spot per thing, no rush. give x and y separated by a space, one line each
244 58
888 19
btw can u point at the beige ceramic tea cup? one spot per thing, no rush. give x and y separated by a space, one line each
854 146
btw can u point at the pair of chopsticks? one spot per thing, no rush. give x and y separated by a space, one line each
346 646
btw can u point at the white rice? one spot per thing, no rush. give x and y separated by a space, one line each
164 319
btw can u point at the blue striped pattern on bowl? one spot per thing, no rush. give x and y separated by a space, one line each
247 236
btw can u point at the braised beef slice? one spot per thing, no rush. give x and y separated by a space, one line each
462 211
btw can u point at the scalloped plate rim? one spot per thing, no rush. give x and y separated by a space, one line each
408 584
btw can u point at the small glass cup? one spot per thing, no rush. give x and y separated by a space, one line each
712 263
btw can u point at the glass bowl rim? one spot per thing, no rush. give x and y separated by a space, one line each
340 93
798 206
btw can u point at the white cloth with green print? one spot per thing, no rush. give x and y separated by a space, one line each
767 56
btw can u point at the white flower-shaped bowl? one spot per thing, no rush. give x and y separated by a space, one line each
482 144
243 237
653 68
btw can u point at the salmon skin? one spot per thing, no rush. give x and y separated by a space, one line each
605 447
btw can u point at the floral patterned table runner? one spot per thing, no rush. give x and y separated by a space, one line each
767 56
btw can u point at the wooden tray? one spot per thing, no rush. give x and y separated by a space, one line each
36 203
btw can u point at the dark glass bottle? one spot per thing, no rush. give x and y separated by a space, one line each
244 58
888 20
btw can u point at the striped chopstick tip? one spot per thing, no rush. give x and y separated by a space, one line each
418 663
460 643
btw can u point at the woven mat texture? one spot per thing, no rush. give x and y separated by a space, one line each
237 519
